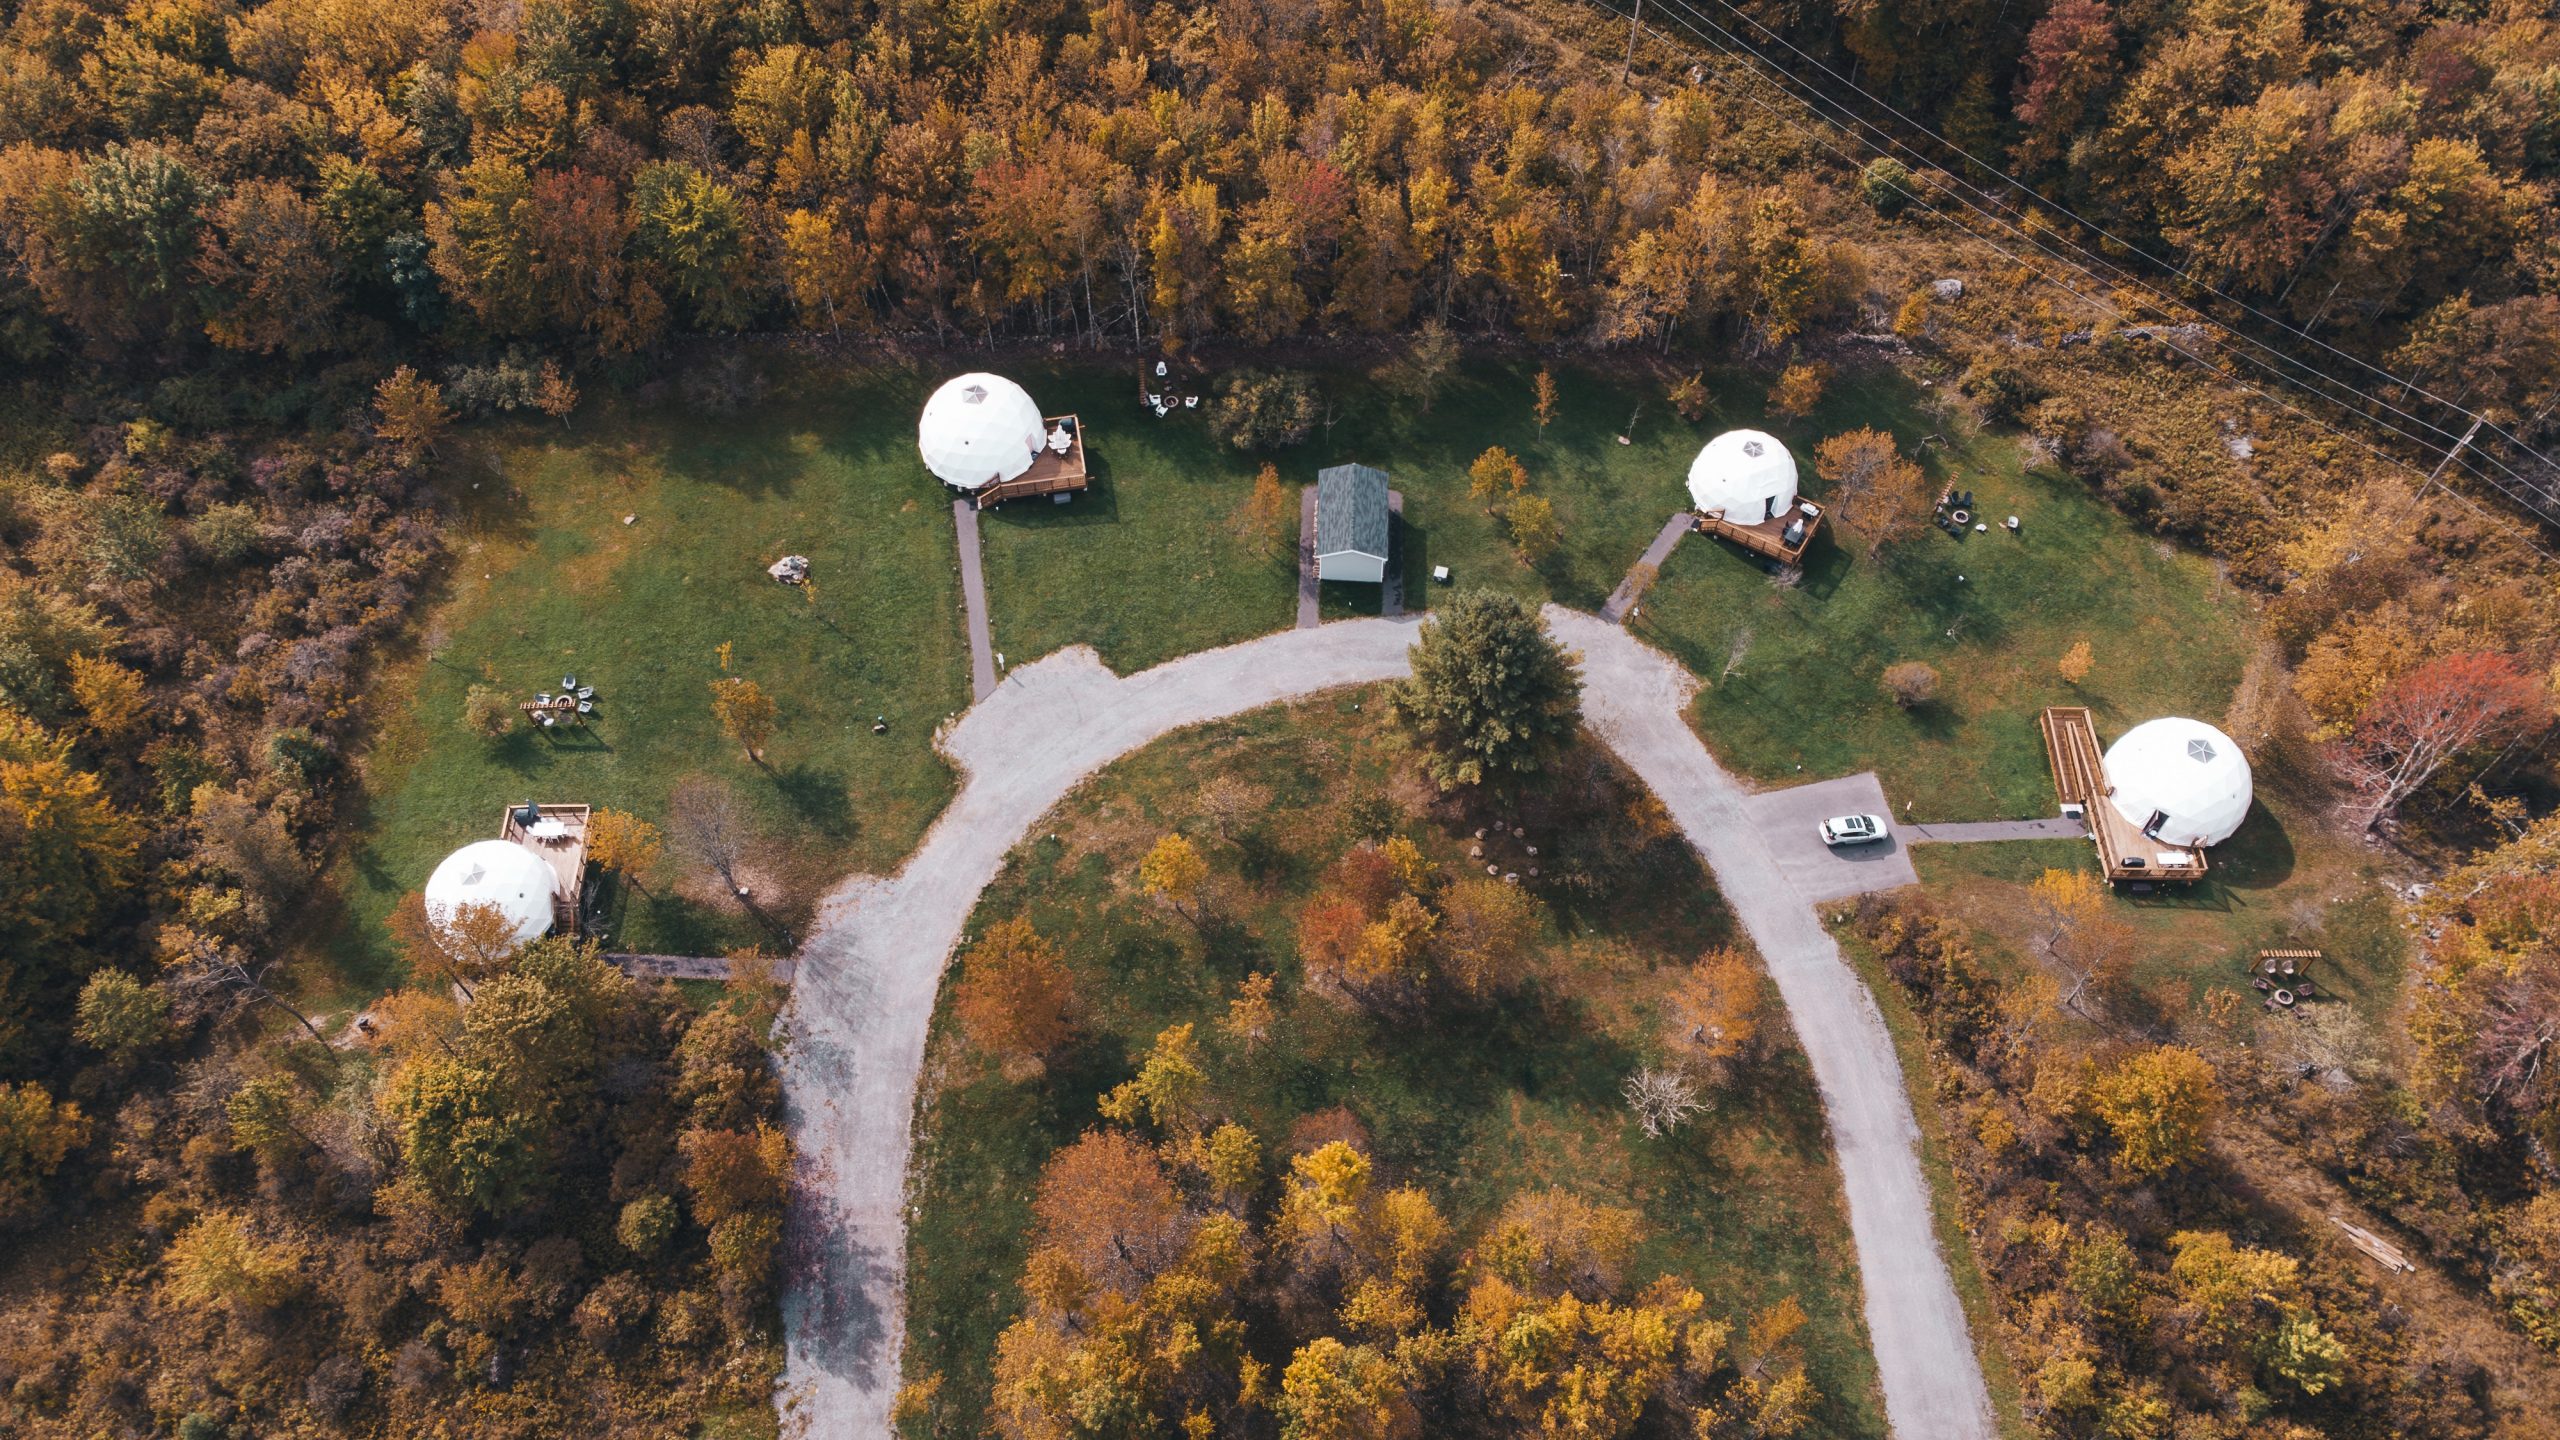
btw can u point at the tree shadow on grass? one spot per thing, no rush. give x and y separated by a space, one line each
678 926
817 795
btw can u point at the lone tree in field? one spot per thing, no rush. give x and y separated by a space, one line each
1878 492
1492 694
1174 870
1262 522
2434 713
745 712
488 711
1546 406
2075 662
1495 477
1911 683
706 827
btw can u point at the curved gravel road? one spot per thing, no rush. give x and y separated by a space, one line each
867 978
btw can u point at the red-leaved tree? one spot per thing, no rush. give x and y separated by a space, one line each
2434 713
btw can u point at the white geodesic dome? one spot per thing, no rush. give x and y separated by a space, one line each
979 429
2186 776
499 874
1747 474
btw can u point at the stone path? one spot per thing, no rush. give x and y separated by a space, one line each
1307 587
1623 599
868 977
973 599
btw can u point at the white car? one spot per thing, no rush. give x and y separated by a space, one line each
1852 829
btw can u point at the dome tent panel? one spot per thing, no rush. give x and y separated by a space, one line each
1746 475
499 875
979 429
2181 781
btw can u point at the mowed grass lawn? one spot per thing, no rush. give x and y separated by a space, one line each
548 581
1474 1105
1792 674
2282 881
1150 565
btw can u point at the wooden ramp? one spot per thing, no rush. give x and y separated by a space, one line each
2080 778
2071 745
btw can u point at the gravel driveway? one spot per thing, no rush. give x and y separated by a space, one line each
868 976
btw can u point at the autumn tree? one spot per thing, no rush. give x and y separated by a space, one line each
1717 1012
1910 683
488 711
1883 496
1663 1099
1333 1391
410 411
1263 520
1168 1088
1481 944
37 1133
623 844
1798 390
2160 1105
1492 695
122 1017
2438 711
1014 993
218 1259
109 694
1173 870
1495 477
2075 663
706 825
1230 804
1252 1013
1423 369
1544 403
1106 1206
1534 530
746 714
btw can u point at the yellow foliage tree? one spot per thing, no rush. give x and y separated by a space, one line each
2160 1105
1174 870
109 694
746 714
2075 662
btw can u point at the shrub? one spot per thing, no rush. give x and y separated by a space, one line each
2003 390
1264 409
1798 390
1886 185
1911 683
488 712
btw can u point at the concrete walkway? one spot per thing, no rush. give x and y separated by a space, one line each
1969 832
1623 599
1307 588
973 599
868 976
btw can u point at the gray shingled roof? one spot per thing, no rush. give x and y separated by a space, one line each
1351 510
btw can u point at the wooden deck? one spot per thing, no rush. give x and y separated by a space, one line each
1767 537
2080 778
1050 474
566 855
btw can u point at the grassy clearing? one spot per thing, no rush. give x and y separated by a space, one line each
1148 566
1793 672
2282 881
548 580
1472 1106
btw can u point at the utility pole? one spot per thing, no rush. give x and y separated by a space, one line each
1628 65
2438 472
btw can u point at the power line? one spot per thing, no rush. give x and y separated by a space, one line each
1813 100
1815 137
2048 202
2533 499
